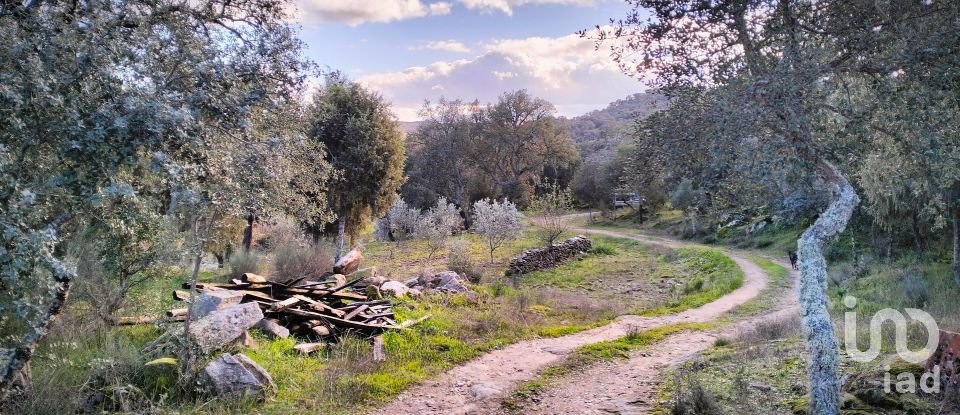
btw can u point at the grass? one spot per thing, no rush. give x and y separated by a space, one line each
714 275
778 287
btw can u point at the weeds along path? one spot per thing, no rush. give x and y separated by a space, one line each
478 386
630 386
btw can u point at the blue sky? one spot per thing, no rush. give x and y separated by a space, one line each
412 50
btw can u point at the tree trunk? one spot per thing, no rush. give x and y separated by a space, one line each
824 354
220 259
917 233
248 234
341 227
955 261
15 369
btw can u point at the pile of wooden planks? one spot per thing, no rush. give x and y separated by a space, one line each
310 309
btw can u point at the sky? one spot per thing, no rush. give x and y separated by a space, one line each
415 50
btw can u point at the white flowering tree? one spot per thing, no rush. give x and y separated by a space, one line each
497 222
399 224
437 224
549 212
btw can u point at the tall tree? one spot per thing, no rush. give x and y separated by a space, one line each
440 154
518 139
780 56
365 146
87 88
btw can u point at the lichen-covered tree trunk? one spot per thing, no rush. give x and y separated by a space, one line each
823 352
14 361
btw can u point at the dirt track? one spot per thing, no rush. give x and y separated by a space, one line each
479 385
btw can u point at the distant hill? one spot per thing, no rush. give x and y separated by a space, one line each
598 133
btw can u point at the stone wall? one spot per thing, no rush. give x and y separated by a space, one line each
548 257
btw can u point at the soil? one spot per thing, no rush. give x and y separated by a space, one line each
478 386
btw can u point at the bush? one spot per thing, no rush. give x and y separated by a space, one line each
916 290
294 260
243 262
459 260
600 248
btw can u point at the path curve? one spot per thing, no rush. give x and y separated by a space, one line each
629 386
478 386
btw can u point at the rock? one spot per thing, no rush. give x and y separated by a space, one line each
246 340
481 391
214 300
340 279
236 376
225 325
547 257
373 281
373 293
425 279
160 375
394 288
414 293
472 297
272 329
412 282
349 263
449 281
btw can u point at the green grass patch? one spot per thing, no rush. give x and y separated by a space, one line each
715 275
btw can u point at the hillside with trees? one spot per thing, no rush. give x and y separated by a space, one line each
598 133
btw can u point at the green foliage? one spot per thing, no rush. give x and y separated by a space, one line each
365 146
717 275
244 262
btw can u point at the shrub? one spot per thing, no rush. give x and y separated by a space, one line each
459 260
601 248
294 260
916 290
243 262
437 224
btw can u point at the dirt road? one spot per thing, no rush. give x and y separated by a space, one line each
479 385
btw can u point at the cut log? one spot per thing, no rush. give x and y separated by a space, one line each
254 278
379 352
132 321
179 295
320 330
307 348
349 263
290 302
178 312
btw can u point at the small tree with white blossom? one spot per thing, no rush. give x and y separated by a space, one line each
497 222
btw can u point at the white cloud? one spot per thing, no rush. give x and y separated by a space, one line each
357 12
506 6
566 71
443 45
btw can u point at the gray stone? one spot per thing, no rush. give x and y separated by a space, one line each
481 391
425 279
394 288
412 282
273 329
224 326
449 281
214 300
236 376
414 293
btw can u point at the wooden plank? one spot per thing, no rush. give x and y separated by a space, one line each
253 278
354 313
353 324
411 323
320 330
379 352
290 302
321 307
307 348
131 321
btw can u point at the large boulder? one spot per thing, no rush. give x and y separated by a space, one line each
394 288
225 325
236 376
349 263
449 281
160 375
214 300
